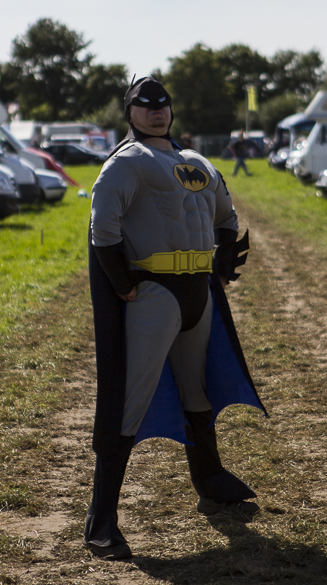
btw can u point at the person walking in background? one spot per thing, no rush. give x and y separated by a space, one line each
238 149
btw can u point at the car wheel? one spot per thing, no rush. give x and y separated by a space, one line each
60 198
304 179
42 197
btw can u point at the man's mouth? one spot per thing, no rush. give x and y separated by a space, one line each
156 113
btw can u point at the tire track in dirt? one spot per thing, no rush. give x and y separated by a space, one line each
299 279
297 274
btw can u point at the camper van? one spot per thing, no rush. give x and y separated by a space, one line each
312 158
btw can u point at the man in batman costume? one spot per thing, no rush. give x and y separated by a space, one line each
168 356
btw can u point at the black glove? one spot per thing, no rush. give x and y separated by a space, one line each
114 264
227 254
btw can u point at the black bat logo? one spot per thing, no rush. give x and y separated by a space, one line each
191 178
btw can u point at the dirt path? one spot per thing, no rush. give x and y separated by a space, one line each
287 289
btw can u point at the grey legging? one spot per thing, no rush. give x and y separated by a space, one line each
153 323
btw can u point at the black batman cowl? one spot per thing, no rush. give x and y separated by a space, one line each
146 92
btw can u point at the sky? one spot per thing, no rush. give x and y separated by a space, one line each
143 34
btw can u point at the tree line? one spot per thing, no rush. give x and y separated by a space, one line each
52 76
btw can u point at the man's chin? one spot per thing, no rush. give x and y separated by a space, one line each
155 129
158 129
158 123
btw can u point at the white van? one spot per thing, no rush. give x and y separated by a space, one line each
312 158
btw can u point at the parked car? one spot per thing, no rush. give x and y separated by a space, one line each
74 154
9 194
321 184
35 157
10 145
313 157
67 139
277 160
34 185
53 187
92 141
289 130
28 184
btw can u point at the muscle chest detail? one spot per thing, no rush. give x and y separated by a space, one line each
175 187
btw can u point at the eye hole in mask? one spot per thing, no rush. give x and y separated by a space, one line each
162 99
144 100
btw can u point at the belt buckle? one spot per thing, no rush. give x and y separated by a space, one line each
184 261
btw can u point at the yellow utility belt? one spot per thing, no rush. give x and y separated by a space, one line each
177 262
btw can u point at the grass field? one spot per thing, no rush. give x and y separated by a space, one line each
47 375
41 304
282 200
42 247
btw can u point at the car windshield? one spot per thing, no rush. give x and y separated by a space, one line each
8 142
96 143
80 148
85 148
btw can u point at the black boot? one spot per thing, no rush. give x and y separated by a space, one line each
101 533
216 486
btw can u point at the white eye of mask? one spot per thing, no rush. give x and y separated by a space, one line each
144 100
162 99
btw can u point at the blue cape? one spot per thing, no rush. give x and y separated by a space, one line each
227 382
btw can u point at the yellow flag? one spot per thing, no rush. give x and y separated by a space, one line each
252 98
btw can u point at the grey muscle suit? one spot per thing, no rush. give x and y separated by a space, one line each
143 199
